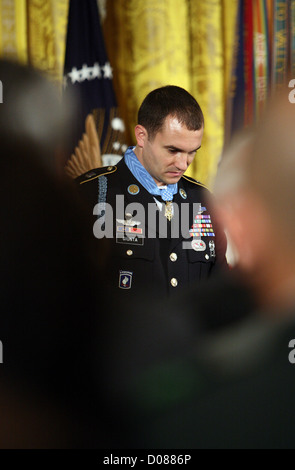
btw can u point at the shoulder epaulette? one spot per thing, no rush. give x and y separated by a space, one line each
95 173
192 180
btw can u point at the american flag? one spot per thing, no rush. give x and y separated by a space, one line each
89 74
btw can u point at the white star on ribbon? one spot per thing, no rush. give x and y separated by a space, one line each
118 124
90 73
116 145
96 71
107 70
74 75
85 73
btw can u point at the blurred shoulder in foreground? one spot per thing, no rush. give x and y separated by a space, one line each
49 277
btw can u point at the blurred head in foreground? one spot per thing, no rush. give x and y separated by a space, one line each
48 280
255 188
33 117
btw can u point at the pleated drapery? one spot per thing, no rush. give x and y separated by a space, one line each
150 43
34 32
188 43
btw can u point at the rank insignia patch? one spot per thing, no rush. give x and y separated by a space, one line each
90 174
125 279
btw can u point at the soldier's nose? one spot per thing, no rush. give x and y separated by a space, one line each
181 162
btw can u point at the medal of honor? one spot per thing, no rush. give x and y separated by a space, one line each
169 210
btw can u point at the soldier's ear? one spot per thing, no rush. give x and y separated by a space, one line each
141 135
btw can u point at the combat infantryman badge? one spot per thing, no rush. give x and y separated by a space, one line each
129 221
129 232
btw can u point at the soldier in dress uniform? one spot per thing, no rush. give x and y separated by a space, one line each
162 234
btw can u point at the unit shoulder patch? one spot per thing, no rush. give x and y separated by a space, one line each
95 173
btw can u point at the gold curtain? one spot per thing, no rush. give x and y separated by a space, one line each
47 28
187 43
13 30
150 43
148 46
34 32
212 25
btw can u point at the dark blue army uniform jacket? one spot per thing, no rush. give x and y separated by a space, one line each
148 254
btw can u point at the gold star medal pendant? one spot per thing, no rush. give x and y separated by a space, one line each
169 210
167 196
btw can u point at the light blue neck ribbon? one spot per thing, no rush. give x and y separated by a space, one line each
145 179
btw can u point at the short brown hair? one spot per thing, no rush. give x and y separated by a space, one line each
169 101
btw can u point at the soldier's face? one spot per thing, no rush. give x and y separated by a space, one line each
168 155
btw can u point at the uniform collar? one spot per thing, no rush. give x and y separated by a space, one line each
146 180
